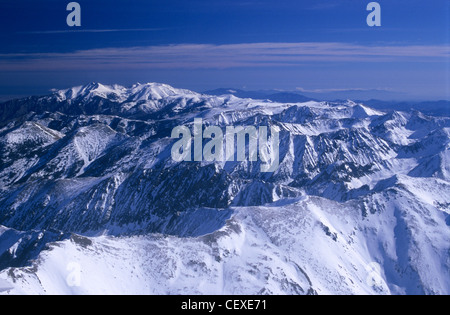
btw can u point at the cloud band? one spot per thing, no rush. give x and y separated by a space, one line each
205 56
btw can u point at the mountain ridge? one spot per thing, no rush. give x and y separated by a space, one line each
95 161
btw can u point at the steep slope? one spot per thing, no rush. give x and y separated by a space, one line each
324 247
354 185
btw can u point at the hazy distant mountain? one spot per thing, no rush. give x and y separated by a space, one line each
378 99
435 108
275 96
356 94
359 204
325 95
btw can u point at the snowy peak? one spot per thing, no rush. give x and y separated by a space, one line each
87 92
96 98
32 132
361 111
154 91
117 93
357 186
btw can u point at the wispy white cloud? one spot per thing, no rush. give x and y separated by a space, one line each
206 56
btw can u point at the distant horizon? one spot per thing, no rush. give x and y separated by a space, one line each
308 45
330 94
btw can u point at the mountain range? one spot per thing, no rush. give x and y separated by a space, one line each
387 101
358 205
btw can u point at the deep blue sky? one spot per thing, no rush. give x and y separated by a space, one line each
310 45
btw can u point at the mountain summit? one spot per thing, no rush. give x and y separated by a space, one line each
95 98
359 203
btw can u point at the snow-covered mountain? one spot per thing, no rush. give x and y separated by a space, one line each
359 204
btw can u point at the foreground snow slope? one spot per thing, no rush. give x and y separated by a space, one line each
305 246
